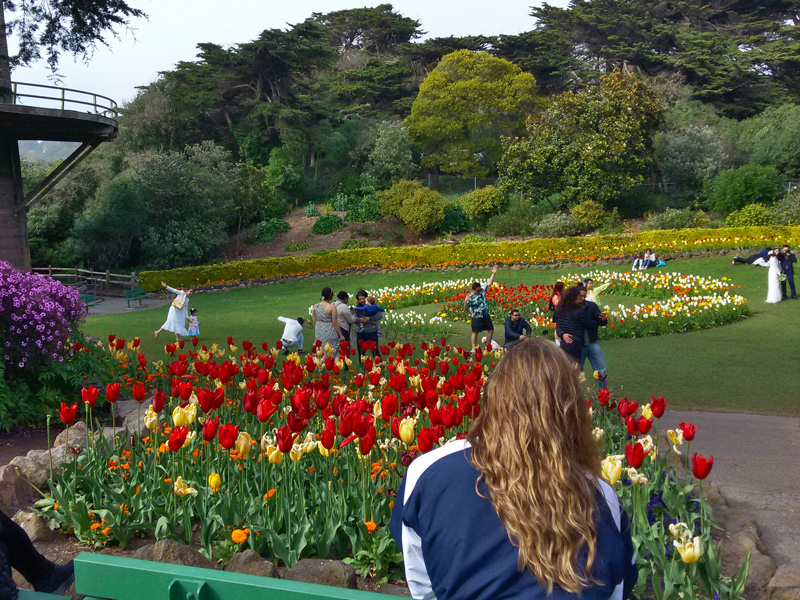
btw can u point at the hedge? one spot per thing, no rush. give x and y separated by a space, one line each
532 252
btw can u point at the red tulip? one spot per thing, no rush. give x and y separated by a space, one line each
688 431
631 425
426 438
389 406
227 435
603 396
177 437
138 392
368 440
644 425
658 405
285 439
700 466
112 392
634 455
159 399
265 410
89 395
142 360
328 436
67 413
210 429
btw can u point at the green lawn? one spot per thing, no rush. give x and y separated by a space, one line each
750 366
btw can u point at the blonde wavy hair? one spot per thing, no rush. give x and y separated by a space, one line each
533 447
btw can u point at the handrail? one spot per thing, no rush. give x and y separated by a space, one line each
102 105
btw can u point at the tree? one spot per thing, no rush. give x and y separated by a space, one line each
55 26
390 159
587 146
464 107
373 29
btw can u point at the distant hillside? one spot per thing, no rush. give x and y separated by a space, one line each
45 152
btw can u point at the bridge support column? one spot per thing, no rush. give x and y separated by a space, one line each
14 246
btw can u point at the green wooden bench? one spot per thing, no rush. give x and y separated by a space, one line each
28 595
134 294
90 300
104 577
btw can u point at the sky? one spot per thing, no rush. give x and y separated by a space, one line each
174 28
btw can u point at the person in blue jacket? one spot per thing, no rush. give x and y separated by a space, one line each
517 328
517 509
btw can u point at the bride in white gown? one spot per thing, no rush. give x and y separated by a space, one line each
774 287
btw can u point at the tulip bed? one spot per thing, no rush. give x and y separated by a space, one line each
302 457
676 303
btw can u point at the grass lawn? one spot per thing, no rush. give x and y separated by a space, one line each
750 366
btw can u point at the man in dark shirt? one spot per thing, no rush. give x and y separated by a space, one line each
517 328
787 267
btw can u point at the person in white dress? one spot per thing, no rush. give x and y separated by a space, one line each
774 286
176 319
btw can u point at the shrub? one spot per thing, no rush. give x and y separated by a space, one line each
455 221
531 251
556 225
390 202
351 244
296 247
268 230
361 210
673 218
752 215
787 211
749 184
311 210
424 211
589 214
481 204
474 238
327 224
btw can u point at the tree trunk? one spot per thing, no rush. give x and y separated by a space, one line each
5 64
13 219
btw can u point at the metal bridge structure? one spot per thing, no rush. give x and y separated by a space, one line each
43 112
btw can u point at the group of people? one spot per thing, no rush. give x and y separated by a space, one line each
575 313
178 314
646 260
336 321
780 262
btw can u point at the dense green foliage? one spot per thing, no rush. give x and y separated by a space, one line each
464 107
482 203
749 184
269 229
587 146
327 224
752 215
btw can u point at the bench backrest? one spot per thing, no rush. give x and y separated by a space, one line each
101 576
134 292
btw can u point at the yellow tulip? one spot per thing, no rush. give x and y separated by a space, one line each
323 450
377 410
636 477
598 434
189 439
243 444
181 489
676 437
179 417
407 433
647 412
296 453
150 418
191 413
647 444
309 443
611 469
275 455
214 481
689 551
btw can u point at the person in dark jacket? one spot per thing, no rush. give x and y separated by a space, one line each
787 267
17 551
517 328
571 318
760 258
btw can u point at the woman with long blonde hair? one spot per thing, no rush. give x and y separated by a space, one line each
518 509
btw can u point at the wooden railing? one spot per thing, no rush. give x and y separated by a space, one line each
51 96
95 282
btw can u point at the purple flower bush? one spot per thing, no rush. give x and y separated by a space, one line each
37 315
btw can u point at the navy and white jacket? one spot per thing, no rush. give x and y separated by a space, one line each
455 547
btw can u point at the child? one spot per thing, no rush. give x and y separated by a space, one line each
194 330
369 309
638 263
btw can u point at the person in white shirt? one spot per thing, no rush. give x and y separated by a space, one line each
293 334
176 319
